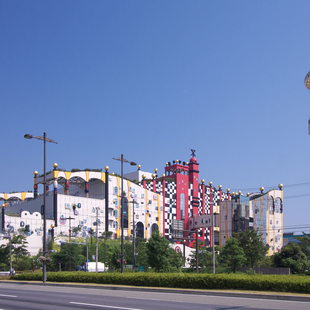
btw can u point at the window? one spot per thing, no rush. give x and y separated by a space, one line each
278 205
182 205
271 205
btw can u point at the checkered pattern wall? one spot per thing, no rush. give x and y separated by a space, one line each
159 187
149 185
170 207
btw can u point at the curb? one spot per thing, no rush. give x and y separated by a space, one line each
243 294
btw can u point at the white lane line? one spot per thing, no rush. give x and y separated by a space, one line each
102 306
3 295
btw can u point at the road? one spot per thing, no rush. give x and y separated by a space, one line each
33 297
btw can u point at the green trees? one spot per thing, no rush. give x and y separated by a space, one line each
19 246
253 247
293 257
69 256
4 258
305 245
204 258
160 256
233 255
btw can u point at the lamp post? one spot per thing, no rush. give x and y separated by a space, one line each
97 244
132 163
212 217
44 139
133 234
307 80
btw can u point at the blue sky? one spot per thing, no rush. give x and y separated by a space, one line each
153 79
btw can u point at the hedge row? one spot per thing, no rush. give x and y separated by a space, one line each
278 283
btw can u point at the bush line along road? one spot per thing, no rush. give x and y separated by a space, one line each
278 283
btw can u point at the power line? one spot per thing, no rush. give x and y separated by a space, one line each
270 187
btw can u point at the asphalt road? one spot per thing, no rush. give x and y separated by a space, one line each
32 297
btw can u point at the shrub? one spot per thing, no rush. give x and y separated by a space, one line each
278 283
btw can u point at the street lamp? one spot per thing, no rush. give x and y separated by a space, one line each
307 84
133 234
44 139
132 163
213 235
307 80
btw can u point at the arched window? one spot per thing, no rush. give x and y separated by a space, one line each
154 228
271 205
140 230
278 205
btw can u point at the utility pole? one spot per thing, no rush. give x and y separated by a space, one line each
11 266
44 139
122 213
133 234
70 230
86 251
184 256
213 249
97 224
197 266
212 230
132 163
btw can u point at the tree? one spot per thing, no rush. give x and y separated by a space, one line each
253 247
233 255
142 254
69 256
19 246
305 244
204 257
4 257
293 257
160 256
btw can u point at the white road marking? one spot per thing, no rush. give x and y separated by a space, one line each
3 295
102 306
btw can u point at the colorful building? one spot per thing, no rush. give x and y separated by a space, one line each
178 204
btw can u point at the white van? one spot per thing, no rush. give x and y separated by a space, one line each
91 267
